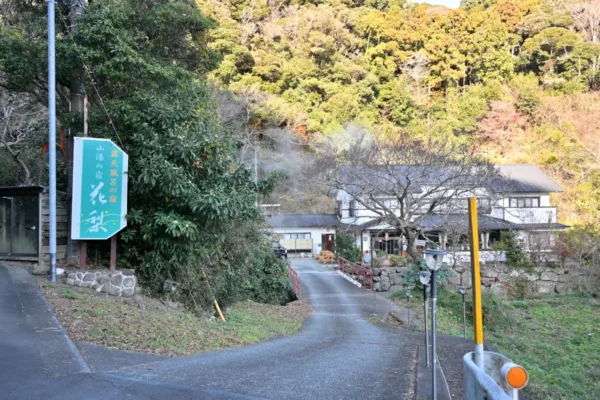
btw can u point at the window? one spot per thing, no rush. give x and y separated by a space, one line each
297 236
339 208
484 205
525 202
352 209
388 203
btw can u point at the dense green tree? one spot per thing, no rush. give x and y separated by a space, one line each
145 63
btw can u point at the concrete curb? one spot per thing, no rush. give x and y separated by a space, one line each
349 279
59 353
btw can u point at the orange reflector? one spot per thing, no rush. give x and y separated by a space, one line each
517 377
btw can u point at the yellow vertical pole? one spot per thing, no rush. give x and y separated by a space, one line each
219 310
476 282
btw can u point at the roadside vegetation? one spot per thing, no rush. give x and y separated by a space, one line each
192 205
555 337
147 325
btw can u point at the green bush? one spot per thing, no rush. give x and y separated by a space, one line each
397 260
516 256
344 246
410 276
519 288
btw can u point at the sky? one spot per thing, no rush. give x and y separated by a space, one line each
447 3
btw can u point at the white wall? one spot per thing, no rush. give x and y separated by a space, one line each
315 235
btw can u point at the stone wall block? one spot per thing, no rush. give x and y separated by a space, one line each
114 290
116 280
561 288
127 292
454 280
544 287
129 281
530 277
549 276
89 277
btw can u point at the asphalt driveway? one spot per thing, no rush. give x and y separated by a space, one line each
340 353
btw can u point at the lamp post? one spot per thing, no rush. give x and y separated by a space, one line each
408 306
425 277
433 259
463 290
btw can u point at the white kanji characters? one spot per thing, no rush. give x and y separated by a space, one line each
99 156
96 193
100 148
99 175
97 221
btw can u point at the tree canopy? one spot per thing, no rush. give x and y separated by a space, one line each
144 66
395 66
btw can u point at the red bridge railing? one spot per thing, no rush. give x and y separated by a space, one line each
295 281
362 274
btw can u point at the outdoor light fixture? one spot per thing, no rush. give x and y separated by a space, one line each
425 277
433 259
463 290
408 305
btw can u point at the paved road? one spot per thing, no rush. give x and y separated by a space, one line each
339 354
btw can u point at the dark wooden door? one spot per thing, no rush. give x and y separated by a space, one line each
327 241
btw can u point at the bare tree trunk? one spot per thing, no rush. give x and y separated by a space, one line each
411 240
16 156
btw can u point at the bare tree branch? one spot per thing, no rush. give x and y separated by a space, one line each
402 180
20 118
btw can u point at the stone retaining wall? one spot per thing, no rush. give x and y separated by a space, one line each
498 278
115 283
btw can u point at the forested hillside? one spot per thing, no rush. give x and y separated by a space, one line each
515 78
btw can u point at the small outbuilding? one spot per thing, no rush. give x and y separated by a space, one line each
305 233
24 226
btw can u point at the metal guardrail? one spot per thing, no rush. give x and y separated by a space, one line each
491 382
364 275
295 281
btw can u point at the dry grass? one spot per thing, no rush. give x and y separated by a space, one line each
146 325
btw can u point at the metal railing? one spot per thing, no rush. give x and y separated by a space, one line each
363 275
295 281
489 383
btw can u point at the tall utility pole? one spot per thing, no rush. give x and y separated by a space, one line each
52 136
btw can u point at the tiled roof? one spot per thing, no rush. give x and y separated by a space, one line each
513 178
527 178
303 220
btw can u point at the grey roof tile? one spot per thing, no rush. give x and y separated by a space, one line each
303 220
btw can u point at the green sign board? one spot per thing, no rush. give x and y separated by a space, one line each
99 189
